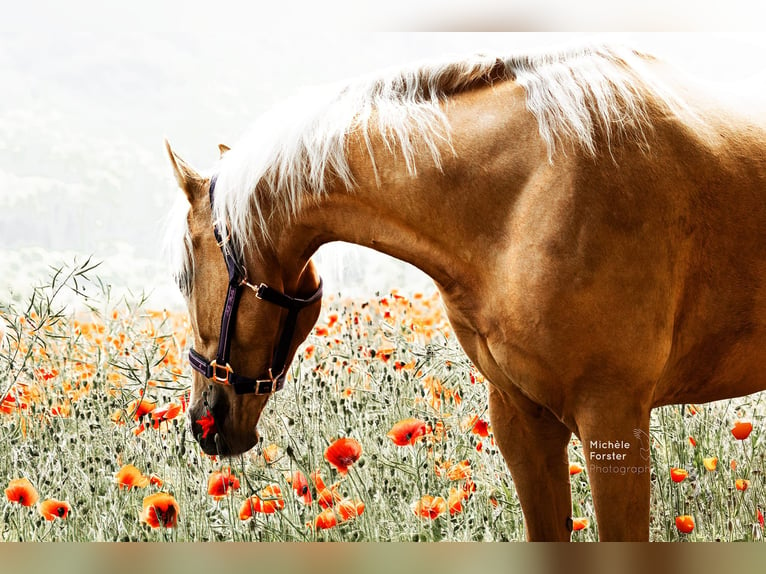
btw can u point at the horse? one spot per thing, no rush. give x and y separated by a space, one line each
592 220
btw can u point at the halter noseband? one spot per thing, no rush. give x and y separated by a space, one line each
219 369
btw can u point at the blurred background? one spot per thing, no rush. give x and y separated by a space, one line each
89 91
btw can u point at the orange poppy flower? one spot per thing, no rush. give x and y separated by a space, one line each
160 510
574 469
301 486
343 453
741 484
742 429
270 453
692 441
155 480
207 423
219 483
129 476
430 507
711 463
733 464
268 501
685 523
678 474
579 524
141 407
456 498
407 431
460 470
348 508
166 413
481 428
21 491
326 519
52 509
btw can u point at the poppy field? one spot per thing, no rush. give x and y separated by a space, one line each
381 434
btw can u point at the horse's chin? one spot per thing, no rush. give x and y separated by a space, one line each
227 443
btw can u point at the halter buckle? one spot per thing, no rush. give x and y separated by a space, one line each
227 370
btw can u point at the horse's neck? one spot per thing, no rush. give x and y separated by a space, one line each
445 221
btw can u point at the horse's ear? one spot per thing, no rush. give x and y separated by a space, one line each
188 179
223 148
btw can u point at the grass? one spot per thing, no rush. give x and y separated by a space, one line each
72 382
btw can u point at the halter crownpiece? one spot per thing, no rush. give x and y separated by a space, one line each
219 370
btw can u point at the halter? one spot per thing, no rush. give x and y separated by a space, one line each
219 370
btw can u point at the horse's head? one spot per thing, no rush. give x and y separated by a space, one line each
245 337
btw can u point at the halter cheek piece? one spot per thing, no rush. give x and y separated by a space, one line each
219 370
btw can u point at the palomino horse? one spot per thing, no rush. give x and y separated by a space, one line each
595 228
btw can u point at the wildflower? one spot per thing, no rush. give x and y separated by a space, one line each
579 524
742 429
733 464
759 517
678 474
343 453
692 441
407 431
166 413
348 508
711 463
685 523
301 486
460 470
479 446
456 498
129 476
430 507
326 519
160 510
21 491
268 501
51 509
574 469
270 453
219 483
207 423
481 428
141 407
741 484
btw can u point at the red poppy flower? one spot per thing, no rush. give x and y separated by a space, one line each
166 413
326 519
52 509
678 474
129 476
21 491
685 523
711 463
407 431
207 423
742 429
141 407
343 453
741 484
692 441
160 510
579 524
759 516
221 482
456 498
574 469
481 428
268 501
430 507
348 508
301 486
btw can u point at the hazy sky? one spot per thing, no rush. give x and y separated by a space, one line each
89 91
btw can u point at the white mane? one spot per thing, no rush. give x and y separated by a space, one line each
292 151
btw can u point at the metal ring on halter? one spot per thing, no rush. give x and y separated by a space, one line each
226 369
